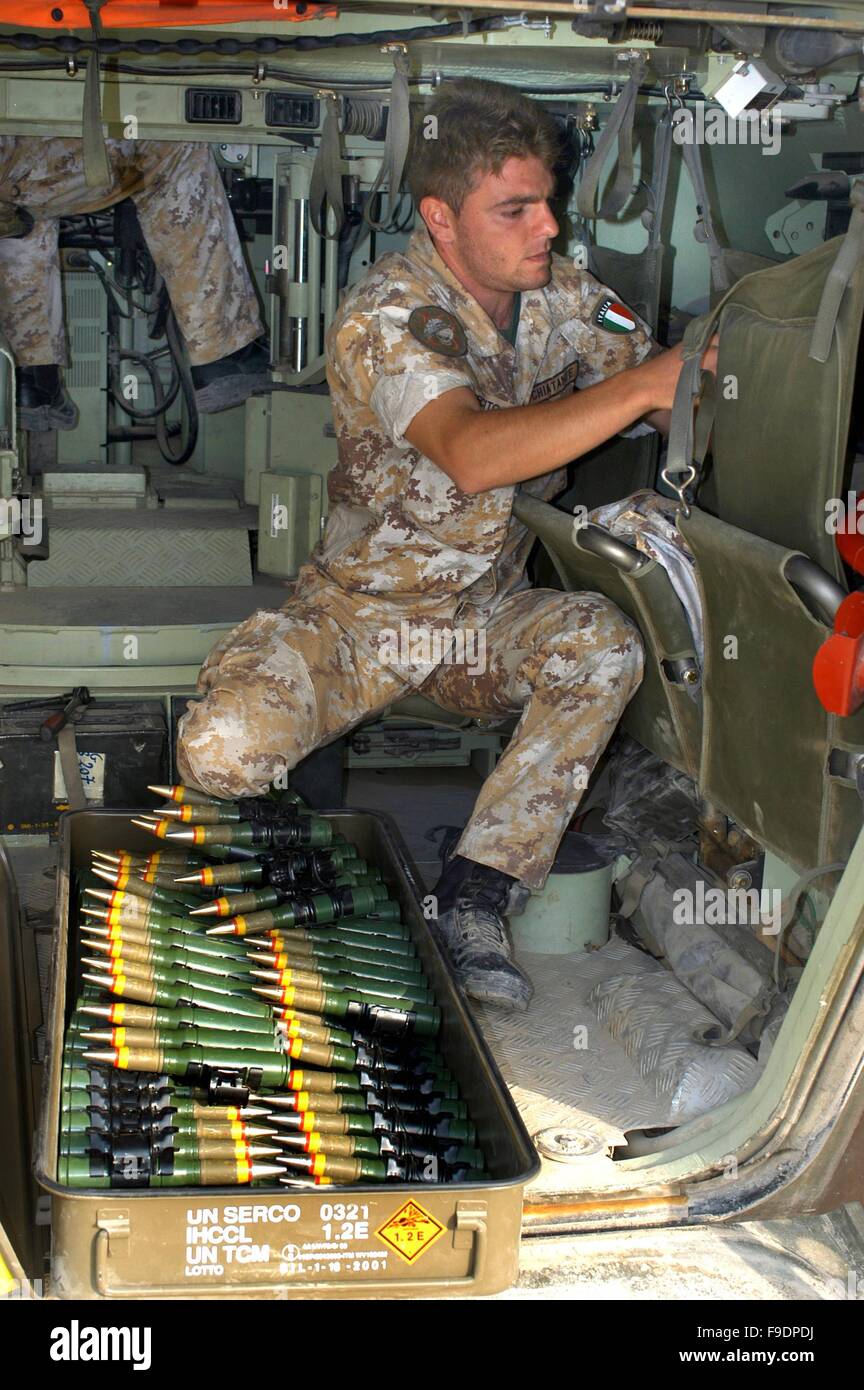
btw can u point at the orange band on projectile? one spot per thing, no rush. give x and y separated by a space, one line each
224 906
296 1049
149 875
281 962
239 924
288 994
122 1058
319 1165
122 879
293 1029
207 878
185 815
323 1182
307 1124
295 1081
199 831
115 947
313 1142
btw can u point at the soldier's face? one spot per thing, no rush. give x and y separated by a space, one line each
505 229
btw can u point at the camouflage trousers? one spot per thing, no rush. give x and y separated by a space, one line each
286 682
186 221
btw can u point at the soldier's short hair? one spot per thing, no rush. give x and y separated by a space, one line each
471 128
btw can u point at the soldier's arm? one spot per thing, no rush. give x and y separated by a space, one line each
482 449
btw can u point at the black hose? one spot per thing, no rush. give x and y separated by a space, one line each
178 355
148 362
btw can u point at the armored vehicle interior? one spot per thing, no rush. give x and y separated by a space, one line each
669 1064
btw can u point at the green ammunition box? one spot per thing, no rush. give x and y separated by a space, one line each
364 1240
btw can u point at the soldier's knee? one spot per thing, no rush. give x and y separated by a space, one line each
231 744
626 641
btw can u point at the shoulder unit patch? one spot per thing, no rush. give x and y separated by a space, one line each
614 317
438 330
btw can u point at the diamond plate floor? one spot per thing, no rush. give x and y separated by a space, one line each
566 1070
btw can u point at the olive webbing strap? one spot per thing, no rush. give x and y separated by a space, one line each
652 217
704 230
396 141
619 126
97 170
850 253
326 181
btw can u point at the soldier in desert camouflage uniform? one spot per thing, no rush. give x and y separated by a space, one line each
419 544
189 229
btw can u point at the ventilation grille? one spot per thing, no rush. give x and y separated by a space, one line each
213 106
282 109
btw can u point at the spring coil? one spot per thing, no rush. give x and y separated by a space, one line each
364 116
643 29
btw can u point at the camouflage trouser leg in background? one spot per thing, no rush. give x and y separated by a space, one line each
186 221
285 682
569 663
280 685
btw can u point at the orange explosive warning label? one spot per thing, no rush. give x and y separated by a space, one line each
410 1231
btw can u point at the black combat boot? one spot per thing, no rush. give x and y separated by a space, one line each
472 903
229 380
43 401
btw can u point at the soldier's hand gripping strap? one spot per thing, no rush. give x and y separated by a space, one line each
838 277
396 141
688 442
620 126
97 170
326 181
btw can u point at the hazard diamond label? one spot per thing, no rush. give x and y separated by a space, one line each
410 1231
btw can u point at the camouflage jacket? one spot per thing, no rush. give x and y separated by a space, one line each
402 542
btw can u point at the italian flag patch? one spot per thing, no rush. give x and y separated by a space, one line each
614 317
